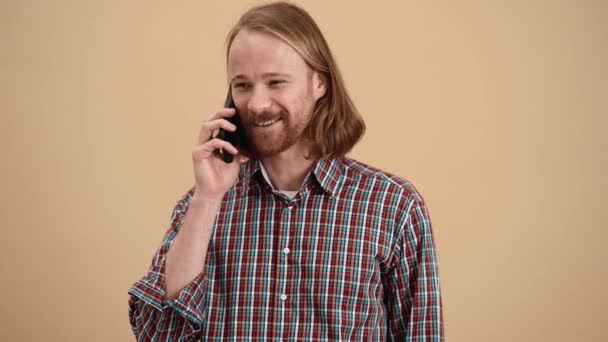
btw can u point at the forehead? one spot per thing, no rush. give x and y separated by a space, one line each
255 53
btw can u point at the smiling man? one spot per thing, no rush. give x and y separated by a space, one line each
293 240
276 93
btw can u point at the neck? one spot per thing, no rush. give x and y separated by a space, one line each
288 169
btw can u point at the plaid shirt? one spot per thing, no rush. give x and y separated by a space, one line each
351 257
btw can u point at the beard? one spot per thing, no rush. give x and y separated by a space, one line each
278 137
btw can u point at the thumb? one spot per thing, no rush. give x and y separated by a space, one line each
242 158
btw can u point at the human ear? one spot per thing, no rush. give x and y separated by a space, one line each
319 85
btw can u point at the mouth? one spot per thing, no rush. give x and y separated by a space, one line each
267 123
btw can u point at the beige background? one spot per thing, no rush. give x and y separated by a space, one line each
495 110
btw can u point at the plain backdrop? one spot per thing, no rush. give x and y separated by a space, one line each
494 110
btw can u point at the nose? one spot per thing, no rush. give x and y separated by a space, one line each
259 101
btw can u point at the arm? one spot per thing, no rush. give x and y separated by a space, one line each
413 298
170 304
176 313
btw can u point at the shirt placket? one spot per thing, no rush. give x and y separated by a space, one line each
284 251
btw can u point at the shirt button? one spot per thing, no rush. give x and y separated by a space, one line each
286 250
283 297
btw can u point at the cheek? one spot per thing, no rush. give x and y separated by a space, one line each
285 102
240 102
296 100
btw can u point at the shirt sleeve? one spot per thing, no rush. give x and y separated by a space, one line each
152 317
412 293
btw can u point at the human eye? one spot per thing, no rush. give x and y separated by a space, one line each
241 85
275 82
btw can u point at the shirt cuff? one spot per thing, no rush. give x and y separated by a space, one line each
190 303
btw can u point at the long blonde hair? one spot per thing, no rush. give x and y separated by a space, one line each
336 124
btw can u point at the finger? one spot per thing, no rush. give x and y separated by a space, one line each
210 129
222 113
211 124
206 149
242 158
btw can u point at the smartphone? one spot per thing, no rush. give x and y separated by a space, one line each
237 138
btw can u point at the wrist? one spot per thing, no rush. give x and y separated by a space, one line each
205 201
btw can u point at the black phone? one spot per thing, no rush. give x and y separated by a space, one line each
237 138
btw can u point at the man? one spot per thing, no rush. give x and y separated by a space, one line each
292 240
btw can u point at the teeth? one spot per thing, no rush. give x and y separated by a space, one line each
267 123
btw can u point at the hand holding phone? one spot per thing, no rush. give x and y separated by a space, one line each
213 177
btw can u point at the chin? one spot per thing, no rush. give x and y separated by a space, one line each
268 151
272 147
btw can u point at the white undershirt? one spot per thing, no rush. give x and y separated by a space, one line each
290 194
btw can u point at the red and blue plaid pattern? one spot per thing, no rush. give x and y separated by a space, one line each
350 258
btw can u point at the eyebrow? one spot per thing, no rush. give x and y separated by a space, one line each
264 75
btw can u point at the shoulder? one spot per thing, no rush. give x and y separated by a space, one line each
358 173
395 199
